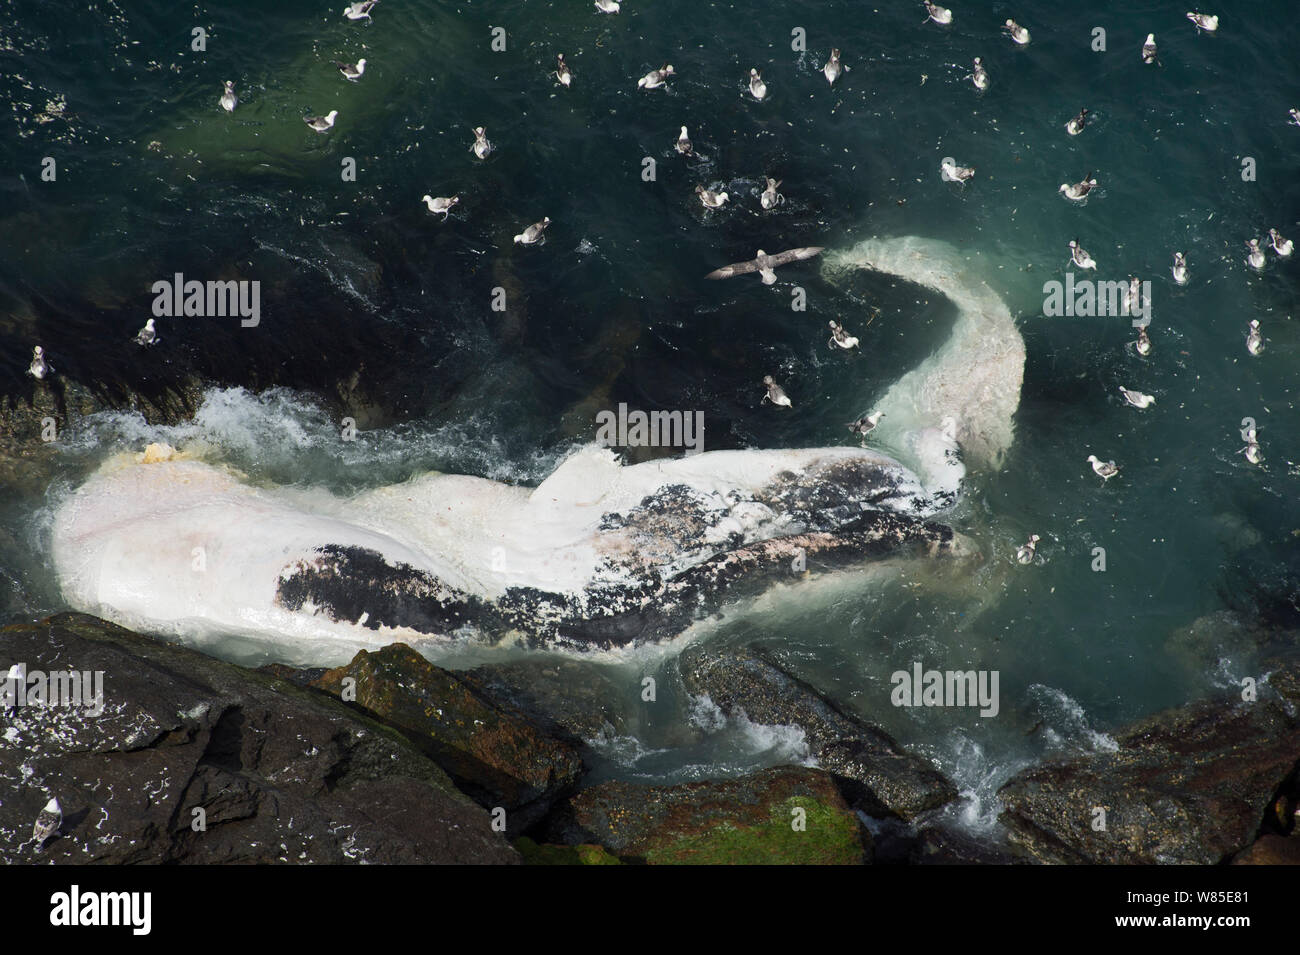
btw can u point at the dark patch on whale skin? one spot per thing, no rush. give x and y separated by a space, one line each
834 494
615 617
346 583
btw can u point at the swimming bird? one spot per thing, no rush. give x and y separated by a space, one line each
1075 126
684 143
351 72
1104 469
39 367
757 88
562 72
1295 117
1018 33
228 98
1025 554
1180 268
1136 398
771 198
764 264
980 77
359 10
954 173
1255 259
1081 258
711 199
775 393
1079 190
1143 343
940 15
322 124
1133 297
1204 21
1253 454
607 6
655 78
441 204
147 335
1254 340
866 424
533 232
832 69
481 147
1149 49
840 337
1280 245
47 823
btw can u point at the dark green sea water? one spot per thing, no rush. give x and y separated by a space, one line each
357 277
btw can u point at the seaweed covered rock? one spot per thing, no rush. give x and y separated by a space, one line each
184 758
494 754
785 815
878 775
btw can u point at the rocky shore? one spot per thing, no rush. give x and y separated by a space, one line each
393 759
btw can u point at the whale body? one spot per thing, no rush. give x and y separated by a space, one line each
599 556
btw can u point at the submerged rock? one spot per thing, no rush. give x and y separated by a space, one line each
534 854
878 775
495 755
281 773
566 698
777 816
1190 785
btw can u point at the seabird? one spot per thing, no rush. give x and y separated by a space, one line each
980 77
757 88
1254 340
1143 343
607 6
1105 469
775 393
533 232
1295 117
1081 258
1204 21
684 143
655 78
1149 49
441 204
1255 259
832 69
955 173
47 823
1136 398
481 146
1075 126
711 199
39 367
1079 191
359 10
771 198
1016 32
1280 245
1025 554
940 15
228 98
321 123
764 264
840 337
1133 297
1253 454
147 335
1180 268
562 72
866 424
351 72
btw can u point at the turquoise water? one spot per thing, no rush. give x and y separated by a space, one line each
358 278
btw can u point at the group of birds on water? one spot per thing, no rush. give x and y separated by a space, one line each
765 264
